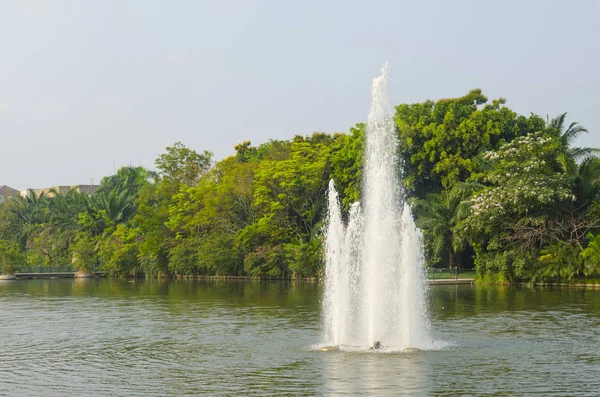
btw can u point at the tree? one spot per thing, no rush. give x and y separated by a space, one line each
437 216
440 144
436 221
115 202
559 261
291 193
118 251
11 258
522 185
30 211
531 218
183 165
567 136
205 220
347 163
84 252
591 254
439 141
150 222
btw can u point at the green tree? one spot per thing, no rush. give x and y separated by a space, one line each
209 218
558 261
523 185
290 198
150 223
84 252
115 202
347 164
591 254
291 192
183 165
439 141
11 258
118 251
567 136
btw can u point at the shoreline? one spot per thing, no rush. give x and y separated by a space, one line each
66 275
446 281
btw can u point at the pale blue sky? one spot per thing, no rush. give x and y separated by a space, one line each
92 85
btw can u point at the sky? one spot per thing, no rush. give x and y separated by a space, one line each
89 86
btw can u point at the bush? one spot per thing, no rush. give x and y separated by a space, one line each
266 261
11 258
84 253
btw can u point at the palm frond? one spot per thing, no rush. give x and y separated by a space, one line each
571 133
579 153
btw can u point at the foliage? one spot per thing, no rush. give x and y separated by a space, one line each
436 220
83 250
266 261
290 193
182 164
591 255
440 145
559 261
491 189
521 182
118 252
11 258
347 164
527 223
439 142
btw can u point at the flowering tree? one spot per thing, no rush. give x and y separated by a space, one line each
523 180
508 220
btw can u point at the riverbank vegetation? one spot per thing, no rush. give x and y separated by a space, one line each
506 194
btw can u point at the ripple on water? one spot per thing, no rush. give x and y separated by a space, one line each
180 339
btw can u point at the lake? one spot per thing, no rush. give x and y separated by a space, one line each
232 338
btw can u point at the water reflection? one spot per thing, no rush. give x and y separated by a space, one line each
174 338
375 374
462 300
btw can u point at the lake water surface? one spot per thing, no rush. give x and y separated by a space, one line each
250 338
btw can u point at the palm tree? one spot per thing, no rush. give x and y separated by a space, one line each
438 214
116 199
586 186
64 209
31 209
128 178
117 206
591 255
558 261
567 137
435 218
31 212
583 166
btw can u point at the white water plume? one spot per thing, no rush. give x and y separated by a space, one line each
375 286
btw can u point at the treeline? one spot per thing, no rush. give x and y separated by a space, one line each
258 213
504 193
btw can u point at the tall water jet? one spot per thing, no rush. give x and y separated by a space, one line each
337 284
375 287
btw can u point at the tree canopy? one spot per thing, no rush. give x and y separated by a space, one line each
507 194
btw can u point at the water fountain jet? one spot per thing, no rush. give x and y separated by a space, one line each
374 280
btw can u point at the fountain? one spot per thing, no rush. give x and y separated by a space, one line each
374 277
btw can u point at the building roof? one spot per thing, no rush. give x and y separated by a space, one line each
7 191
